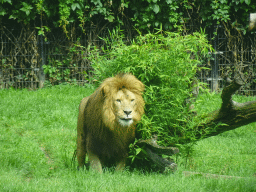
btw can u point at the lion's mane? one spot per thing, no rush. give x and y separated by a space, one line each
98 129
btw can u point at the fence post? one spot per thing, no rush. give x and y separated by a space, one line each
252 22
41 69
215 75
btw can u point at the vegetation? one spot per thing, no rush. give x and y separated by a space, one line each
144 15
38 138
38 132
90 19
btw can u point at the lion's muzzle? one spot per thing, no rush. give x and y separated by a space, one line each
126 121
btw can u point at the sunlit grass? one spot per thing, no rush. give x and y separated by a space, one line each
230 153
38 138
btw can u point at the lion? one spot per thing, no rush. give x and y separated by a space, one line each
107 121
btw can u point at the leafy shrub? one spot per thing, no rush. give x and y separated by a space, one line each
167 64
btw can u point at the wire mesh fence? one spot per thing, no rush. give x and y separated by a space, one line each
27 61
234 56
25 57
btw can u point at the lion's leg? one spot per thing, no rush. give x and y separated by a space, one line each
95 163
81 150
121 165
81 134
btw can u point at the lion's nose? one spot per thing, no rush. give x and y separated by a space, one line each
127 112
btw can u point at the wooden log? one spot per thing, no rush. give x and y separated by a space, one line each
154 153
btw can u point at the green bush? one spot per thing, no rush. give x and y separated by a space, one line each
167 64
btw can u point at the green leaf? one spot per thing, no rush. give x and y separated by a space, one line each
156 8
2 12
138 150
74 6
40 32
8 1
12 17
110 18
26 8
248 2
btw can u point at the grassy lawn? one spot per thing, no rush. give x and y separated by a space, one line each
38 138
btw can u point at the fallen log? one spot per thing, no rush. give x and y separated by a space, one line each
230 116
154 153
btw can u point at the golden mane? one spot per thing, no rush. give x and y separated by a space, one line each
111 86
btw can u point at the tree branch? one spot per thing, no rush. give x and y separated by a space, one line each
231 114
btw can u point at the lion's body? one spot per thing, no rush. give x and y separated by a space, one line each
107 119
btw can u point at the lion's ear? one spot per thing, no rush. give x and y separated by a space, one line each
142 87
106 86
139 87
105 90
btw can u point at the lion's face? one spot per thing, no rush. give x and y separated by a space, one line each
124 104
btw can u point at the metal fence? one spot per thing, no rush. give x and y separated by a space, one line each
234 56
24 57
23 54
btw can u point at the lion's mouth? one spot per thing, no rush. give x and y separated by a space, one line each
126 119
126 122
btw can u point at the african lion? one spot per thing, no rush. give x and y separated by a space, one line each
106 121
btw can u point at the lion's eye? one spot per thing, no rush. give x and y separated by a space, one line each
118 100
132 100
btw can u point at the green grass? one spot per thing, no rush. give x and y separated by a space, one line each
38 138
